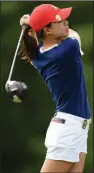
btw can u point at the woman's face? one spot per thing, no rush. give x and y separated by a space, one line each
59 30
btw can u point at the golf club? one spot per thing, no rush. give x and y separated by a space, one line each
17 91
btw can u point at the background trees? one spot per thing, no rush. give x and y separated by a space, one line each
24 125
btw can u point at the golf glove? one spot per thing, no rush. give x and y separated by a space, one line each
24 19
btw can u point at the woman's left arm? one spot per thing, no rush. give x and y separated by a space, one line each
74 34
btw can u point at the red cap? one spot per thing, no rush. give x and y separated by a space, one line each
47 13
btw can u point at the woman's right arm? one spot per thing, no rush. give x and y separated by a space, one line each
28 31
24 21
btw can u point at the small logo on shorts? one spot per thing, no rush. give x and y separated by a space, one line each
58 120
84 124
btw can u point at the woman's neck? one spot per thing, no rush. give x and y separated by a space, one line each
47 43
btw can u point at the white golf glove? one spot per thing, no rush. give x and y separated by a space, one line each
24 20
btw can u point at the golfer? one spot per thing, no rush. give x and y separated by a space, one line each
58 61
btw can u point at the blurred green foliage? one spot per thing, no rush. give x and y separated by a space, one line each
24 125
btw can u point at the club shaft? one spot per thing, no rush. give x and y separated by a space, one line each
15 55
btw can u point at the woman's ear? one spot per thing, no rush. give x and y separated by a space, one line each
47 31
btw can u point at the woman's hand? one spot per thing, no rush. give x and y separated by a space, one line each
24 20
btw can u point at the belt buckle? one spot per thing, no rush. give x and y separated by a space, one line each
84 124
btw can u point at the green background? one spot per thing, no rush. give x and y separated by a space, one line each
24 125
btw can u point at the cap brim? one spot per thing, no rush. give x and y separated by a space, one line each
65 13
62 14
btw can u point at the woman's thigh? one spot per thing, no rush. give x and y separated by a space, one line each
79 166
63 166
56 166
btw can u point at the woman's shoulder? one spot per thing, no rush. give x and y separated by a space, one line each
69 44
69 40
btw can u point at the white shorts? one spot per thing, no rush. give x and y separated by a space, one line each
64 141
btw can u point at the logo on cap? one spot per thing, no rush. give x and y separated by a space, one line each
58 18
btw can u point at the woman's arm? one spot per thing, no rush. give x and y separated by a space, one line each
28 31
74 34
24 20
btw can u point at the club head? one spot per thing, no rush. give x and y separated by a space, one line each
17 91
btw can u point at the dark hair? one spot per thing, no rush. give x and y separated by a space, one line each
29 47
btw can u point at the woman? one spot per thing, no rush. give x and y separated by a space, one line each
58 61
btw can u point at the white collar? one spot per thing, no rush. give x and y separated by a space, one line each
41 49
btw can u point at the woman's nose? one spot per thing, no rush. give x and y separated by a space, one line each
67 26
66 23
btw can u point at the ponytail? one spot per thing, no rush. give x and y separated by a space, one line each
29 47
